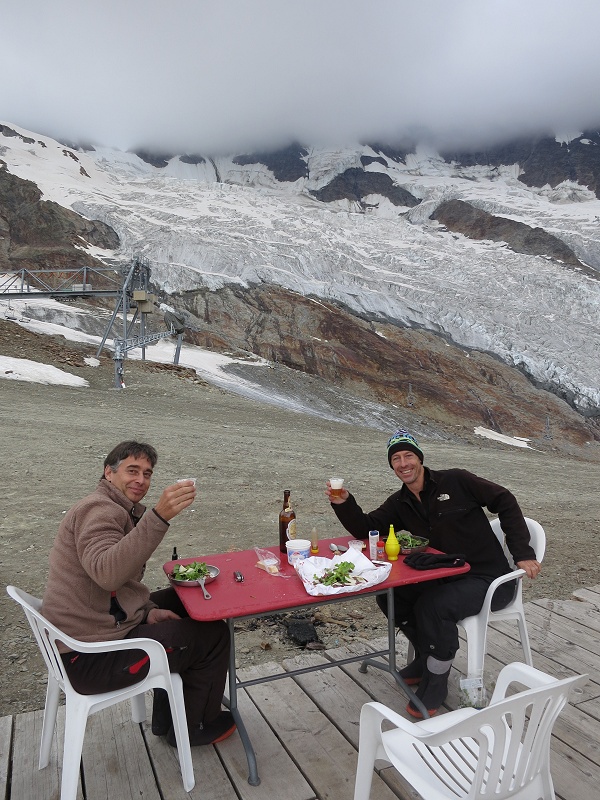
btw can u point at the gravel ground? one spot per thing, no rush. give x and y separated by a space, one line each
244 454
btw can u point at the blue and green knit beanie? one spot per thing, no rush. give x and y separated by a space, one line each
403 440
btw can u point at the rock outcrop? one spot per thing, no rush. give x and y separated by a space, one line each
36 233
462 217
415 370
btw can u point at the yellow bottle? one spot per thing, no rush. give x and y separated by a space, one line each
392 546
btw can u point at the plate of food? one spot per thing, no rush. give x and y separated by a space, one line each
194 574
411 544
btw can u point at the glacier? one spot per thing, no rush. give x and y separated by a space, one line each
216 222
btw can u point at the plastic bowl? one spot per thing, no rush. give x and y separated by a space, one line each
419 548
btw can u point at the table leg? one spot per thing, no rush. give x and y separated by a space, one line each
253 778
391 666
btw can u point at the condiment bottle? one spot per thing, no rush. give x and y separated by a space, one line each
174 557
314 542
380 550
287 522
373 539
392 546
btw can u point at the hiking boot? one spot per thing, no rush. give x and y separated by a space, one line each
432 692
211 733
413 672
161 713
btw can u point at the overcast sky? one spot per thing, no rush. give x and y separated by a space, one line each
235 75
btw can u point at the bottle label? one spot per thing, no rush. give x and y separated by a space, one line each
291 529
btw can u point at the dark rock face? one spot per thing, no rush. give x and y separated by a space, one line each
36 231
288 164
192 159
158 160
416 370
464 218
6 131
544 160
355 184
397 154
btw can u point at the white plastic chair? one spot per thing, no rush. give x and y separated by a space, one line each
476 627
80 706
498 752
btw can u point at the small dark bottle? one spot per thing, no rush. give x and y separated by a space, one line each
287 522
174 557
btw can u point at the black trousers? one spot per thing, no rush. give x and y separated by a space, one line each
198 651
427 612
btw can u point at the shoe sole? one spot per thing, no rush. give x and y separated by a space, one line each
225 735
411 681
417 714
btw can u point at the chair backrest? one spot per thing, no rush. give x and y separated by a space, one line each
513 743
46 634
537 538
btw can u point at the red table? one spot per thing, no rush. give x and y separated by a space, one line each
261 594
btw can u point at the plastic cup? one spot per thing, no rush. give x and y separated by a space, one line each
183 480
336 485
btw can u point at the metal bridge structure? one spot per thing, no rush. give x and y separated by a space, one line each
130 286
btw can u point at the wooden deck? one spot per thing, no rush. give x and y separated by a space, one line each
305 730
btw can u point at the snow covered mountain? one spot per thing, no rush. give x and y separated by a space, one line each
357 228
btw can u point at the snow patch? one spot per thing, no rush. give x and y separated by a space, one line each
516 441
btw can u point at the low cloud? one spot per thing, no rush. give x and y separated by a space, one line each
234 75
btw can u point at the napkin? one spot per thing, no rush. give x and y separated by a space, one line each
373 574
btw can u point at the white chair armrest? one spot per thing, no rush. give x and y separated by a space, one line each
516 574
151 646
518 672
377 712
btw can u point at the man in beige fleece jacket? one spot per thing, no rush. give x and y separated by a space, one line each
95 593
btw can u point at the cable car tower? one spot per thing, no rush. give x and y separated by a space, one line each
135 296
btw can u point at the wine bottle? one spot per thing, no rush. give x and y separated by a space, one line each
287 521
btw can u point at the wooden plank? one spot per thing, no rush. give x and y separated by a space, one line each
588 595
573 775
340 697
333 691
6 728
573 610
376 683
27 780
551 630
319 749
115 761
211 778
276 768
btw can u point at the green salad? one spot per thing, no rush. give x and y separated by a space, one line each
407 540
190 572
340 575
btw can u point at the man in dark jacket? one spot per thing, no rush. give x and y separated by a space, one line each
446 507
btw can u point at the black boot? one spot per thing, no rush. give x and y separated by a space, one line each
412 673
211 733
432 692
161 713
